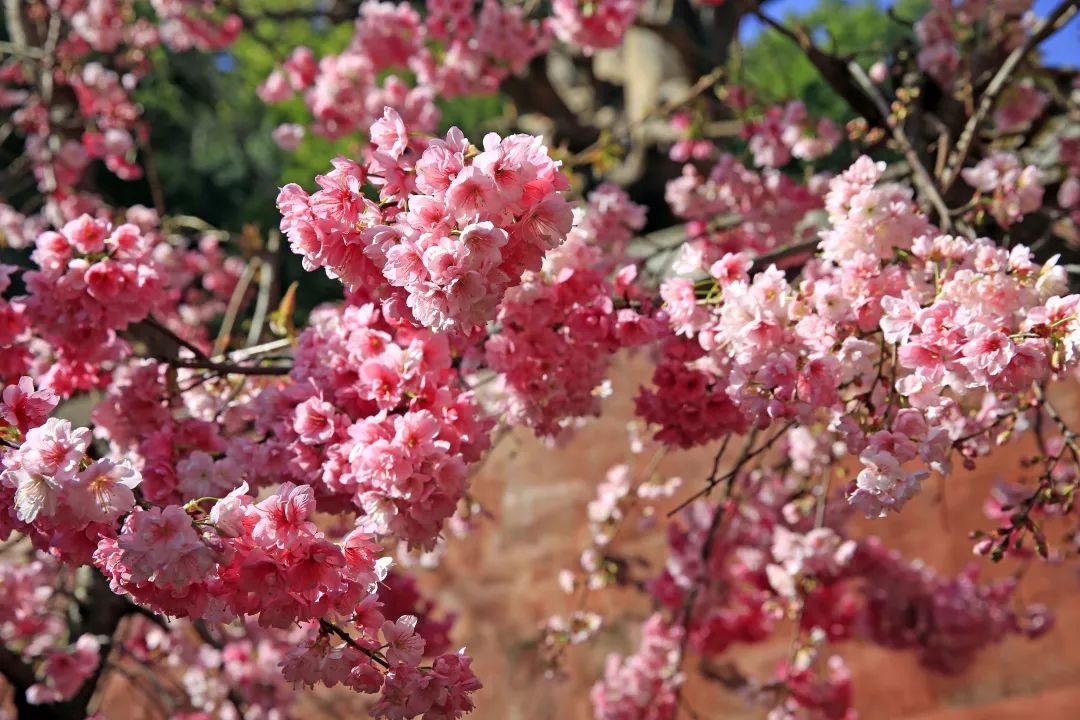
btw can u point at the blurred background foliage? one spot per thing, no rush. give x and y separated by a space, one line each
210 133
777 70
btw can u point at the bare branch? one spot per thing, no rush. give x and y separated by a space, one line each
11 48
175 339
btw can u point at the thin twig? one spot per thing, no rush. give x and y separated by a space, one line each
1047 27
687 610
922 176
833 70
233 308
159 326
157 192
330 627
819 522
226 368
242 353
729 477
266 286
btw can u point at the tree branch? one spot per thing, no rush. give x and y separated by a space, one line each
1047 27
15 671
329 627
534 91
226 368
922 176
834 70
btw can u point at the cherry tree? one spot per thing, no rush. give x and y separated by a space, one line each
836 312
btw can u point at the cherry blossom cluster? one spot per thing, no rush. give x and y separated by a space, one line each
643 685
828 695
945 32
377 416
92 281
441 691
215 559
946 621
786 132
55 493
617 496
962 315
735 208
107 122
64 671
559 329
735 569
1069 191
689 146
104 25
227 518
595 25
688 404
237 667
451 50
227 669
455 227
372 416
1022 103
1008 190
180 451
265 559
16 357
200 280
27 622
164 561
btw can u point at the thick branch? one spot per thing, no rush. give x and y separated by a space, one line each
534 92
15 671
834 70
171 340
13 17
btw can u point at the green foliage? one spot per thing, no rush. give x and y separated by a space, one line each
211 133
474 115
776 69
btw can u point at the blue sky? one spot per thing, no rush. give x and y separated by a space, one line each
1062 49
